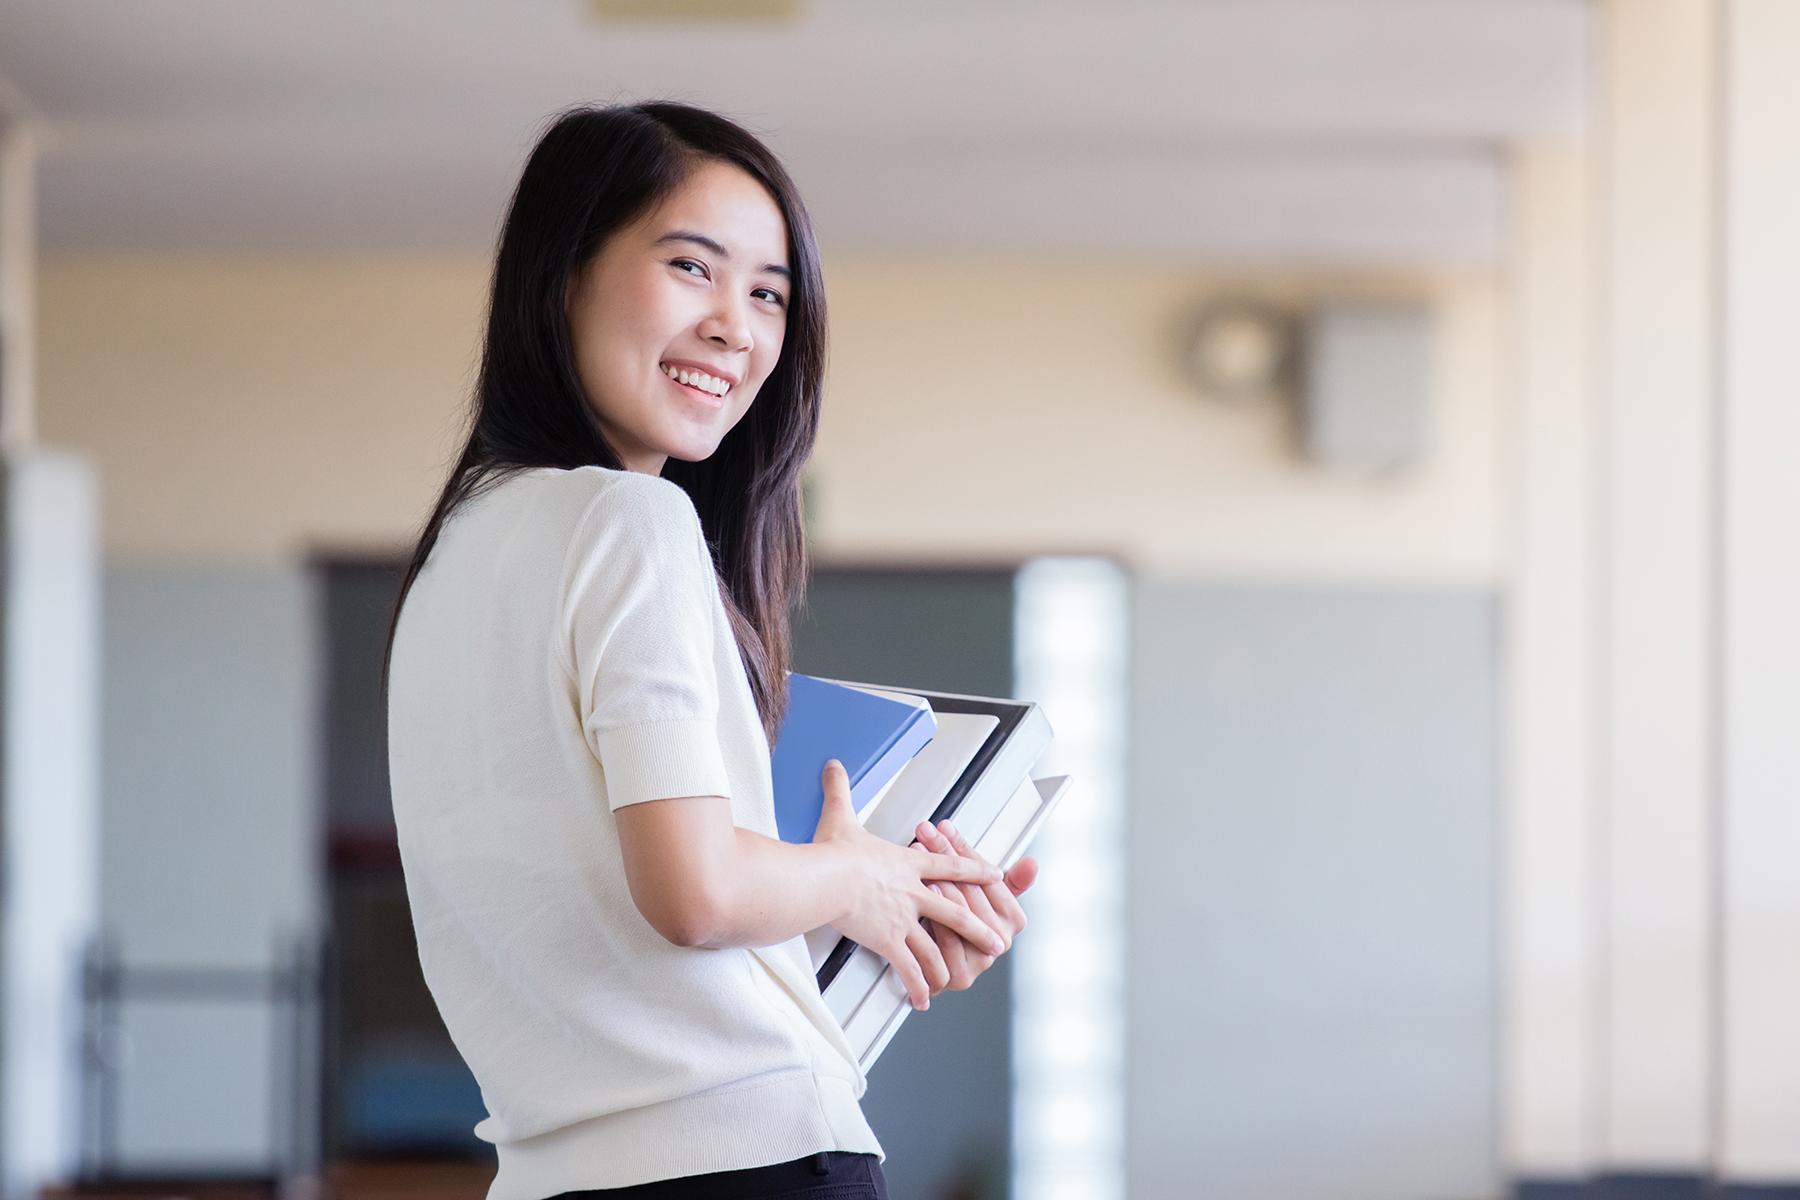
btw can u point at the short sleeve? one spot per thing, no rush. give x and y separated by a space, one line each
638 611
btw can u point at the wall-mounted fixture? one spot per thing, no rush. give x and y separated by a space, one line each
1365 384
1241 349
1355 372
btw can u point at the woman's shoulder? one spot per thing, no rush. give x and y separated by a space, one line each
636 542
600 514
631 504
603 497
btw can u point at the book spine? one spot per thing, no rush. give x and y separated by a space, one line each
902 735
907 742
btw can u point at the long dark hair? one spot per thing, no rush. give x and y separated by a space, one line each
593 171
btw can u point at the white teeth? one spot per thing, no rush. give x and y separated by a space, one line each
699 379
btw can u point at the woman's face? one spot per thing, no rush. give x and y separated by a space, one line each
699 284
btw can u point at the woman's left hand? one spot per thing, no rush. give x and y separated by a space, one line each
997 904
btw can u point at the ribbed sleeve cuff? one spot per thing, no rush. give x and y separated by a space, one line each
661 759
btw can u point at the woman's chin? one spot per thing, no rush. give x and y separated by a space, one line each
693 449
689 439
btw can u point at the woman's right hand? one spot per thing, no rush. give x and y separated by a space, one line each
890 894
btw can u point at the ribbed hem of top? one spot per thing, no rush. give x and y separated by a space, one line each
660 759
754 1125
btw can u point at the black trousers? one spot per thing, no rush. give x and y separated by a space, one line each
829 1175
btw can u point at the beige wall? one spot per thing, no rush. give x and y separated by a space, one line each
1552 971
250 409
245 408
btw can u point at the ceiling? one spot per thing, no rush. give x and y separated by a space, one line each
1329 131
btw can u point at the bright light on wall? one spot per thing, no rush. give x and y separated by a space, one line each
1068 1024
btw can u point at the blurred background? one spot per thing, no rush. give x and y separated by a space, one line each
1365 425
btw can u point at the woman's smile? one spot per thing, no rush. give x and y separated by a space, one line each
696 395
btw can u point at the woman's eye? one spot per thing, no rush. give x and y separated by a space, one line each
688 262
773 295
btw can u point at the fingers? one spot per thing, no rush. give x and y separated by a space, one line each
959 918
949 891
972 896
911 977
930 959
993 903
943 862
955 951
1022 876
957 868
1002 900
982 907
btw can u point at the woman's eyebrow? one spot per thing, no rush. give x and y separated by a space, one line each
700 239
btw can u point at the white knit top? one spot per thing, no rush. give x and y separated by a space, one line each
563 653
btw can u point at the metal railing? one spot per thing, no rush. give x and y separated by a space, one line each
292 987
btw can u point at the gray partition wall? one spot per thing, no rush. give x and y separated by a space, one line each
1312 904
209 841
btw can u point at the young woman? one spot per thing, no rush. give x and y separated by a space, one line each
586 666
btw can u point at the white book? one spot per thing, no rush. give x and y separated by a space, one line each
917 790
976 772
871 1021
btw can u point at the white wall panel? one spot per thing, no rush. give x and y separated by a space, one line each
49 800
1760 1071
1551 804
1656 180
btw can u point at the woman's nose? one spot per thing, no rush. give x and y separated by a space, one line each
727 327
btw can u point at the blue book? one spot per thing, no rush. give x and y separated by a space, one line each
873 736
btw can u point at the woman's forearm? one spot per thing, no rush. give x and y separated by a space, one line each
773 890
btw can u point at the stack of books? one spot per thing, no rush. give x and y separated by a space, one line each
911 756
